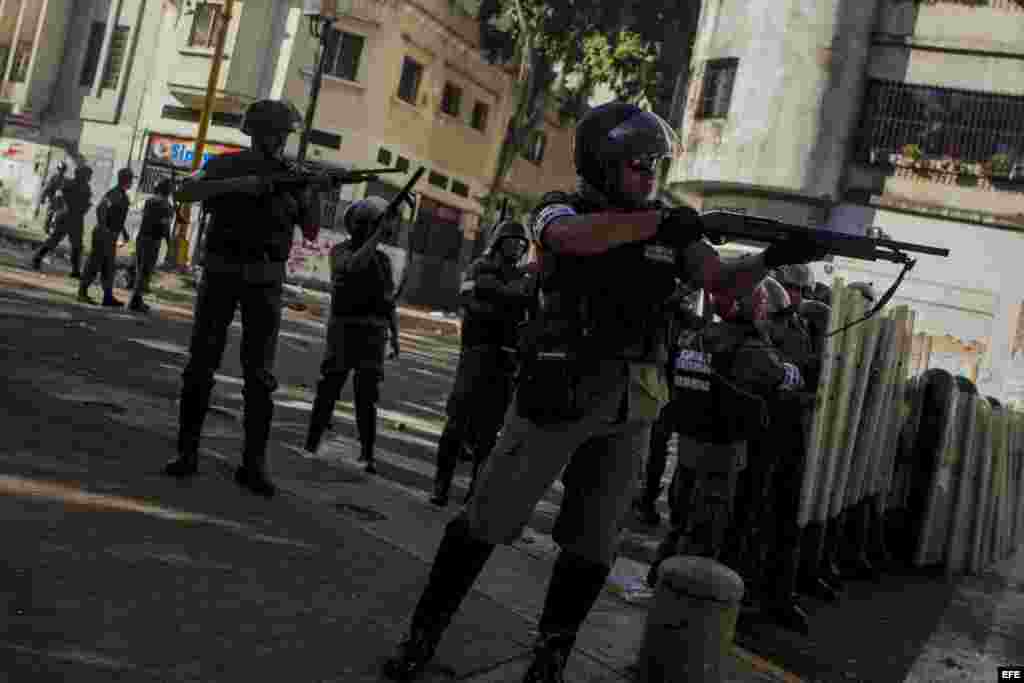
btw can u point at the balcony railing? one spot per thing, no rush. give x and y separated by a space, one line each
943 130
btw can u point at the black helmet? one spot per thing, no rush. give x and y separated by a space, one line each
271 116
125 174
507 230
361 216
83 172
612 133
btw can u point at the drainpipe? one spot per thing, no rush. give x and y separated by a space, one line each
14 45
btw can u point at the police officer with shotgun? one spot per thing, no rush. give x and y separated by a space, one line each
250 236
495 292
592 380
363 317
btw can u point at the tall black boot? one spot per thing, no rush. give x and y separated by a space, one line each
859 564
192 407
830 564
259 412
366 426
781 604
328 391
459 560
575 585
447 460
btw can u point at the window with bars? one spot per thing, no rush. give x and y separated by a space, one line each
115 57
409 84
451 99
964 126
716 93
91 63
206 21
344 52
22 57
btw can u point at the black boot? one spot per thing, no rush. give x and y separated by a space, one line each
328 391
259 412
810 581
857 562
459 560
447 461
575 585
830 554
192 407
366 425
781 604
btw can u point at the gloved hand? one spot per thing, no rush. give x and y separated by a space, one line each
797 251
679 226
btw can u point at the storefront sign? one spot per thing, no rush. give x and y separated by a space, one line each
179 152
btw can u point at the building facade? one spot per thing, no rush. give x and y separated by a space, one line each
902 116
404 85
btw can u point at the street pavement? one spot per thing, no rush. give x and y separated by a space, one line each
114 572
91 399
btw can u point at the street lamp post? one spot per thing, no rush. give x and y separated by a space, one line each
321 15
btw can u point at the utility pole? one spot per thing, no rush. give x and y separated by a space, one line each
321 15
184 218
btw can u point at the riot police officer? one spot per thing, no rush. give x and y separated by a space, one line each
495 292
249 239
157 216
52 196
111 214
69 220
362 317
592 380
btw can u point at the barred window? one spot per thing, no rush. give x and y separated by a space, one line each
115 57
963 125
409 83
91 63
344 51
716 93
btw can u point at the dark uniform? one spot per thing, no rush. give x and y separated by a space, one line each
52 196
248 244
157 216
362 316
69 220
111 214
495 294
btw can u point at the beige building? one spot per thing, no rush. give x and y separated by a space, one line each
405 85
852 114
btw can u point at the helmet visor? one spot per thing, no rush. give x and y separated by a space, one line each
645 137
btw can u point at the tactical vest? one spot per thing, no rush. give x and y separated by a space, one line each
244 228
715 409
610 305
366 292
492 322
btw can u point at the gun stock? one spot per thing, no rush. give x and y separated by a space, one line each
732 226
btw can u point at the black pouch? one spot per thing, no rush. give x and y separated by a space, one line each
548 389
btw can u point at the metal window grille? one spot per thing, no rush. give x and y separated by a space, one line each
92 53
961 125
716 94
451 99
344 51
116 56
409 85
205 23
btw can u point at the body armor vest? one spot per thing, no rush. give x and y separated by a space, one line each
366 292
610 305
244 228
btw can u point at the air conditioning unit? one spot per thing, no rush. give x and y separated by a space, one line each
327 9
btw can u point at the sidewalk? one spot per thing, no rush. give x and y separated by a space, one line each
114 572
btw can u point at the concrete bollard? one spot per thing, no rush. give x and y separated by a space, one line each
690 626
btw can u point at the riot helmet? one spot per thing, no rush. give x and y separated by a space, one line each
509 232
271 117
361 217
614 133
776 297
